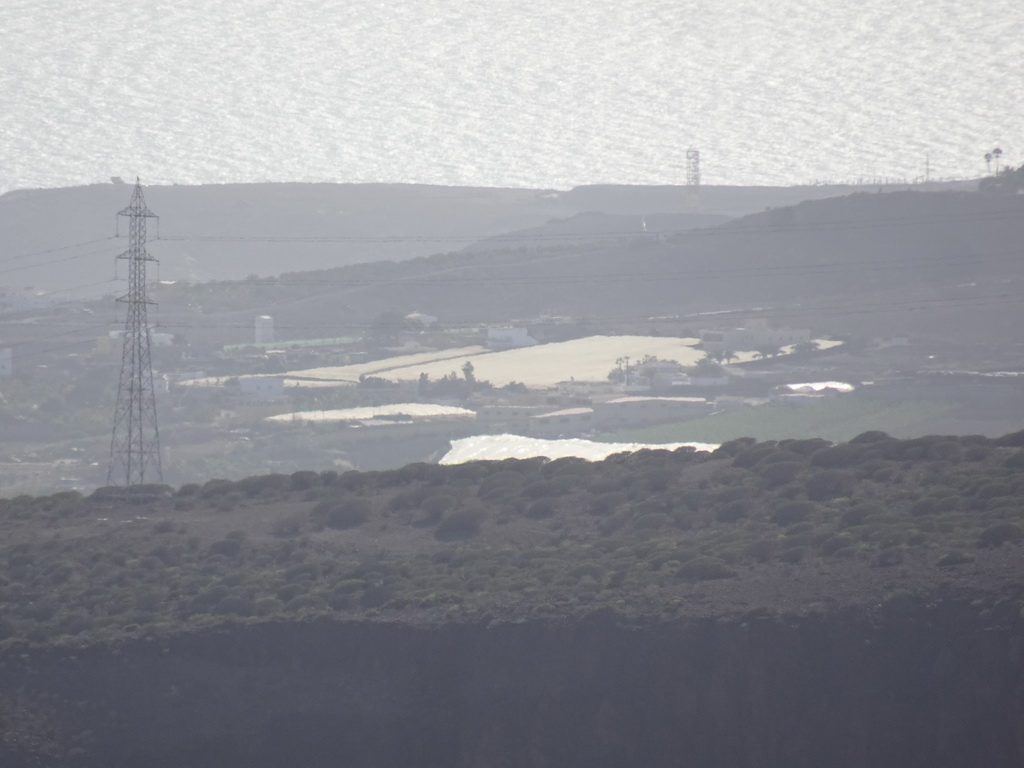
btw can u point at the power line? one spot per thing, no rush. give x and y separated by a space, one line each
57 261
440 280
838 309
726 228
54 250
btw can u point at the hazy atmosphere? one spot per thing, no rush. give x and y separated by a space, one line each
511 384
530 93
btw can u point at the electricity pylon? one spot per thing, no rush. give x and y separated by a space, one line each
135 445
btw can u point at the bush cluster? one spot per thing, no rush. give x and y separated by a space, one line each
582 534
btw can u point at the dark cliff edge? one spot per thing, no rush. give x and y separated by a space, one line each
908 684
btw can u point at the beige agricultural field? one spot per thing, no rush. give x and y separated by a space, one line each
544 365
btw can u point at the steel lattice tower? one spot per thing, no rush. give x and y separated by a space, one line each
135 445
693 167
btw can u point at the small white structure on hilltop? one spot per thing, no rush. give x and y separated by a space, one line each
421 319
755 336
264 330
5 362
508 338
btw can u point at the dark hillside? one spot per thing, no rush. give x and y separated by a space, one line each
651 534
770 605
941 264
236 230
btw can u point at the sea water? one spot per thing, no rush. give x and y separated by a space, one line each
537 93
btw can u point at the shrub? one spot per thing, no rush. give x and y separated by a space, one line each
871 437
859 513
229 501
228 546
501 484
288 592
542 508
977 452
793 554
1014 440
434 506
830 484
286 527
376 596
748 457
569 466
607 502
734 510
888 557
805 447
779 473
833 544
792 512
303 479
950 559
235 605
652 521
261 484
845 455
934 505
460 524
992 490
702 568
732 448
214 488
304 602
349 514
999 534
556 486
266 606
762 550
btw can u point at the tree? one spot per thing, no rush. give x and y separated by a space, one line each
386 329
468 373
768 350
805 347
708 368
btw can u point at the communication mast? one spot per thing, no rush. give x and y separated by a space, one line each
135 445
693 167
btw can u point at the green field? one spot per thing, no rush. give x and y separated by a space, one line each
838 420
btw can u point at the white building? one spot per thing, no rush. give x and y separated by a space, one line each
421 319
264 329
508 338
753 337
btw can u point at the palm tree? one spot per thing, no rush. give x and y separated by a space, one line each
997 153
988 162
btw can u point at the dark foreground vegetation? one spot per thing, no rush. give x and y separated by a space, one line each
777 527
781 604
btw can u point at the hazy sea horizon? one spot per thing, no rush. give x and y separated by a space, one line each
505 93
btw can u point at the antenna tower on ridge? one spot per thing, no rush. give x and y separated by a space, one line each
693 167
135 445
